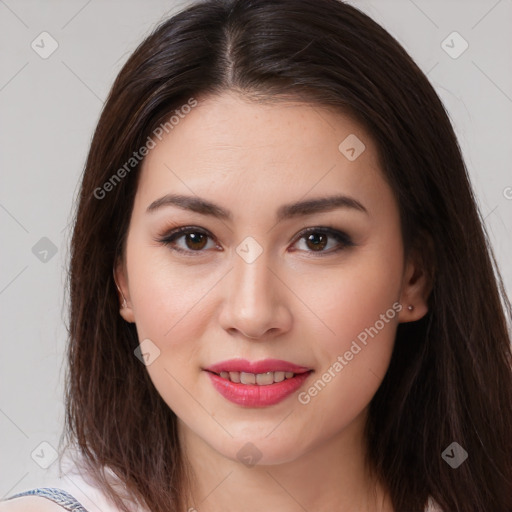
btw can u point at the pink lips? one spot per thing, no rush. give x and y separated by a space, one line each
254 395
264 366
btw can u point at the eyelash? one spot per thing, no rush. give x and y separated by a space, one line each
342 238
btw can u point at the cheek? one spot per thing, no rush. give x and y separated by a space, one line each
352 363
359 305
168 298
169 305
166 301
353 296
172 305
360 322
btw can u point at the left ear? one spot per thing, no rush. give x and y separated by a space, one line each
121 281
416 286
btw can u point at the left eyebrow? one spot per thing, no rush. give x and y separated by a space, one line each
287 211
318 205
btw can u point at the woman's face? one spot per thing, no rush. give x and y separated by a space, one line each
268 269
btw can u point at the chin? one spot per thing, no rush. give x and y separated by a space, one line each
253 450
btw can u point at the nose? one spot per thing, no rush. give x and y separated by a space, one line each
256 304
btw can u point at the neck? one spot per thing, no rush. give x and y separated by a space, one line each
329 476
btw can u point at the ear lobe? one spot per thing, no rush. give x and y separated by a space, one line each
416 288
120 281
127 314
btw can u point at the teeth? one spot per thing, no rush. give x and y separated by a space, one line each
234 377
278 376
261 379
247 378
264 379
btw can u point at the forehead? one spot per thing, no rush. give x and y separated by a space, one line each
229 145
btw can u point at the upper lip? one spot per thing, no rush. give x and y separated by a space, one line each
263 366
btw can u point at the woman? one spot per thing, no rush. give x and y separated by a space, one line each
282 295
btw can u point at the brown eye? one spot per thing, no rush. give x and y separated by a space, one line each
316 241
324 241
195 241
187 240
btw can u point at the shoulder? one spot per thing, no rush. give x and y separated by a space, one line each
74 488
432 505
30 504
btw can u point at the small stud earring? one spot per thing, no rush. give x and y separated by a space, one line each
410 307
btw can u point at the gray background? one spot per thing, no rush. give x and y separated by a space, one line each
49 108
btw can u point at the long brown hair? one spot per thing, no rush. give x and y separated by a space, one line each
450 376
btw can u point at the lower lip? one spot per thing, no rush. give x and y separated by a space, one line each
252 395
